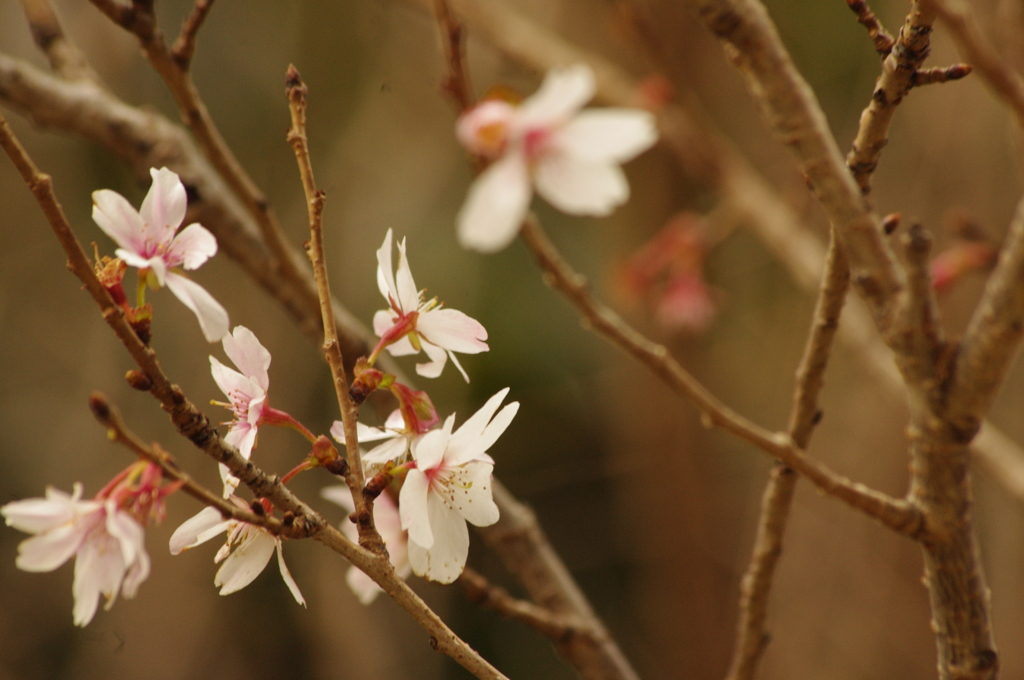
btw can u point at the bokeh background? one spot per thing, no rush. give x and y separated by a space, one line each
654 514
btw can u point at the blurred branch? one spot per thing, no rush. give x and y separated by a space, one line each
755 588
558 628
195 426
896 514
457 84
66 60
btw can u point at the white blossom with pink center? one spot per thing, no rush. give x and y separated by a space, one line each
389 525
245 554
572 157
421 324
149 239
451 485
246 392
108 545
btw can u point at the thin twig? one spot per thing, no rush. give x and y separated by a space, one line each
456 83
882 38
196 427
118 432
556 626
899 69
938 74
185 45
895 514
296 90
755 588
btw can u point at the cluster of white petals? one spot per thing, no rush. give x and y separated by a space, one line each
451 485
149 239
395 438
246 390
108 545
389 525
572 157
245 554
439 331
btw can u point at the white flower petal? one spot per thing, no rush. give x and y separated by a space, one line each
198 529
52 548
383 320
580 187
469 493
496 205
402 348
428 451
242 436
438 357
287 576
453 330
390 450
608 135
563 93
340 494
193 246
34 515
246 562
213 318
365 432
408 296
474 427
385 274
99 569
412 507
251 357
446 558
119 220
230 381
163 209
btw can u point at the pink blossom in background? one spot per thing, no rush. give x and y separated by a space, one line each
571 157
149 240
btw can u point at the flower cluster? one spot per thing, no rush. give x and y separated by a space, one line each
571 157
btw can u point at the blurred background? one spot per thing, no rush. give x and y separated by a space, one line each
654 515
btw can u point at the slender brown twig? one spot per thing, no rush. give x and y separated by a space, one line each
185 45
755 588
118 432
196 427
456 83
296 90
882 38
895 514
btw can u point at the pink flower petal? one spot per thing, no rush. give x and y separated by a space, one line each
193 246
163 209
412 507
251 358
213 318
119 220
453 330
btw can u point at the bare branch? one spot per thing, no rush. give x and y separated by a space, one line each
456 84
185 46
882 38
296 90
66 60
930 76
899 69
756 586
895 514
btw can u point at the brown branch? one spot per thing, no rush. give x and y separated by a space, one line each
899 75
185 45
898 515
755 588
930 76
65 58
557 627
196 427
882 38
118 432
141 21
296 90
1007 83
456 84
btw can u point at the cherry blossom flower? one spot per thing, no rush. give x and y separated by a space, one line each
571 157
245 554
450 485
389 525
396 440
149 239
412 324
108 545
